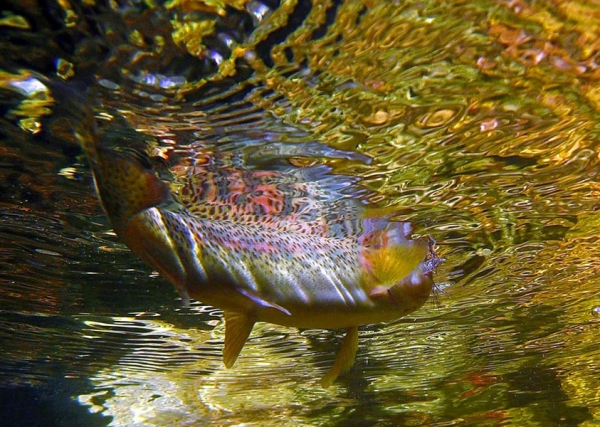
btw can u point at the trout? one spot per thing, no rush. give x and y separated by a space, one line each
262 249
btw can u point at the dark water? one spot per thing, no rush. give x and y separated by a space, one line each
477 121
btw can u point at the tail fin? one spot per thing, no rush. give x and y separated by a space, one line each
124 184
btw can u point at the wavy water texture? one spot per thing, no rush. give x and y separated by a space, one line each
476 121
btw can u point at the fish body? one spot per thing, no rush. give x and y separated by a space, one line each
264 248
286 278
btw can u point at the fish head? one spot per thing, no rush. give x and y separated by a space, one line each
397 270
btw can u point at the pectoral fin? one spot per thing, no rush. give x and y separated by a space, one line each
237 329
390 264
345 357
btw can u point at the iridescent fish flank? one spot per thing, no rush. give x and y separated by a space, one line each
265 246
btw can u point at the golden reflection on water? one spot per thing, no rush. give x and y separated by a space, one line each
477 121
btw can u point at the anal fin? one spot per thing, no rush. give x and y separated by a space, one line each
345 357
237 330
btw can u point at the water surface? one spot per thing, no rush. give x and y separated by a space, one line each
475 120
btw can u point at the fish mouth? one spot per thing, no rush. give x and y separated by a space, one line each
431 263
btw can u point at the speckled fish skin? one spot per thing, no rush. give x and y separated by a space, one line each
244 244
243 231
304 281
